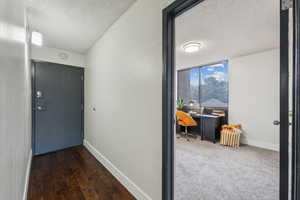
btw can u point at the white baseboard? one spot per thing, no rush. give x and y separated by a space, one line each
136 191
259 144
27 176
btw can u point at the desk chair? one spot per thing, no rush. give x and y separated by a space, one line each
185 120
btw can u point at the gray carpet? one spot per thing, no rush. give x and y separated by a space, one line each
207 171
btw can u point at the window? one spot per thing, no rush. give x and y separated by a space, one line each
205 86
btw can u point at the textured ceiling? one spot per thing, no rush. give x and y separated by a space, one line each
228 28
74 24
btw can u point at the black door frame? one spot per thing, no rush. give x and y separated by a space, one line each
169 15
284 105
33 103
296 103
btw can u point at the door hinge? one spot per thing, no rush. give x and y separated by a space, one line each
286 4
81 78
82 107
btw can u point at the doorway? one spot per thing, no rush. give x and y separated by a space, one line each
57 106
169 92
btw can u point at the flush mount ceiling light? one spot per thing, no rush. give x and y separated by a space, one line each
192 47
36 38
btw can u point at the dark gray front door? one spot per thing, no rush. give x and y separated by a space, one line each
58 107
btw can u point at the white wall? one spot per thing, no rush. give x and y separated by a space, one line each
15 103
254 97
123 83
53 55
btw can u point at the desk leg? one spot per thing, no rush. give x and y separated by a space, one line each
201 129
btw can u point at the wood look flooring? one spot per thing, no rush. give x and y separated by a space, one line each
73 174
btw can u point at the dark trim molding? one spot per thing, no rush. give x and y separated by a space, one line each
296 105
169 14
284 105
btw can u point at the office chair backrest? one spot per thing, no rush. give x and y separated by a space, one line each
185 119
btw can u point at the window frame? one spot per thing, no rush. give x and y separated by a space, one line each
200 77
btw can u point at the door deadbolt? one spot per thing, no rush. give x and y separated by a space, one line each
40 108
39 94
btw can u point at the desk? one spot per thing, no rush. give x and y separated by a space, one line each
209 126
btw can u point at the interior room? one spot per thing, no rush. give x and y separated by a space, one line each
227 77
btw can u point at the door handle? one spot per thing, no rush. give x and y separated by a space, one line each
276 122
